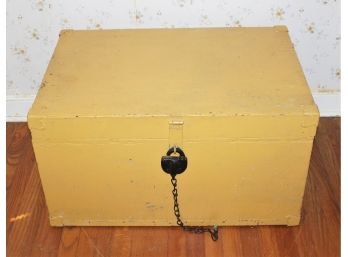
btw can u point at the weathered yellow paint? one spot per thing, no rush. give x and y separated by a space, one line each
112 102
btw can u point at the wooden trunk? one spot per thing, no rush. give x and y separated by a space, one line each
113 101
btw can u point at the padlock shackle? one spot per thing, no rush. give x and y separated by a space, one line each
178 150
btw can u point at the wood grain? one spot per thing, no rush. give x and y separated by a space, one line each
29 233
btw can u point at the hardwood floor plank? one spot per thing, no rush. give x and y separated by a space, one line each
19 159
121 242
249 240
176 242
268 241
29 234
195 244
86 246
149 241
45 242
10 130
212 248
231 243
69 242
99 239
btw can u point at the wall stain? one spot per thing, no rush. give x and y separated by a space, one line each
9 84
338 73
182 3
205 19
64 23
138 16
279 13
311 28
19 51
237 23
94 24
40 5
34 34
325 2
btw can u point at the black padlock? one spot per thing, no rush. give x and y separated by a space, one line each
174 165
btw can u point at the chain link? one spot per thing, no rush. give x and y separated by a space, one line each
195 229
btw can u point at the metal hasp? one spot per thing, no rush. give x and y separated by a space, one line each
175 165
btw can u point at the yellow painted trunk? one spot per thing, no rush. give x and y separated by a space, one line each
112 102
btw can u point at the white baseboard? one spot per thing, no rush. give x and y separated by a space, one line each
17 107
329 104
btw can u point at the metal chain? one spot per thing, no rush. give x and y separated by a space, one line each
195 229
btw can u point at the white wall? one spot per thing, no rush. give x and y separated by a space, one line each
33 27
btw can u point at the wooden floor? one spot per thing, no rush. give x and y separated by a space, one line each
29 233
